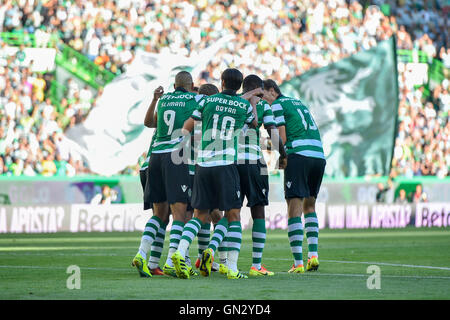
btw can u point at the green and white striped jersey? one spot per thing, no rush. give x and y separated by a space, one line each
249 146
194 148
223 116
174 108
147 157
302 134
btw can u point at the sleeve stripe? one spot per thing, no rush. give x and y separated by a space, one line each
250 118
279 120
197 115
198 97
269 119
277 107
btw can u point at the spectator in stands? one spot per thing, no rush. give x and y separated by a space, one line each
48 165
402 199
419 195
279 39
385 194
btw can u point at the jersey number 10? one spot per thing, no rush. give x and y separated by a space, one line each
224 133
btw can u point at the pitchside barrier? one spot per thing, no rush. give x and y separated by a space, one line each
53 204
131 217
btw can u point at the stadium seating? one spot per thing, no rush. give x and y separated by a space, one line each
275 39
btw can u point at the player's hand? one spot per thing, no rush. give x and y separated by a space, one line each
282 163
254 100
258 92
158 93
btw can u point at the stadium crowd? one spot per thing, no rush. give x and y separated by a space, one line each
275 39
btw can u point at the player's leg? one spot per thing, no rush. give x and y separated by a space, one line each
156 250
220 231
176 182
216 215
295 190
258 198
295 233
178 218
228 198
153 194
148 237
258 241
312 233
234 239
316 172
203 238
202 195
190 231
188 216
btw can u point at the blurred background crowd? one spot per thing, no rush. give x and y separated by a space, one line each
274 39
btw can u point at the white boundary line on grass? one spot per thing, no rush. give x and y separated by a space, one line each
391 264
377 263
306 275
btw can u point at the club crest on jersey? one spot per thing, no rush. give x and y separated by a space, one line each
238 194
288 184
264 191
184 187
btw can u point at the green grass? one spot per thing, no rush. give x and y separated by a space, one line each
33 266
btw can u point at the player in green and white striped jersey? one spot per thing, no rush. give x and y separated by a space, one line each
151 267
303 173
167 170
253 172
216 183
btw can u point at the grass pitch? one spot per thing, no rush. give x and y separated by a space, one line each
414 264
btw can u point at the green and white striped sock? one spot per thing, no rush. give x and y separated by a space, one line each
149 235
223 249
219 234
157 247
259 239
295 233
312 233
203 237
175 236
234 237
190 231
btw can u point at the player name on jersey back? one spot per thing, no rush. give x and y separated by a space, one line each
302 133
174 108
223 116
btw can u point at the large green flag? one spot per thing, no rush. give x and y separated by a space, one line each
354 102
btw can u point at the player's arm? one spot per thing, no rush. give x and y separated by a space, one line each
150 116
189 124
280 122
253 96
255 92
270 126
282 133
276 139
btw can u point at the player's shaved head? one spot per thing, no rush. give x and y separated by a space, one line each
232 79
251 82
184 80
208 89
